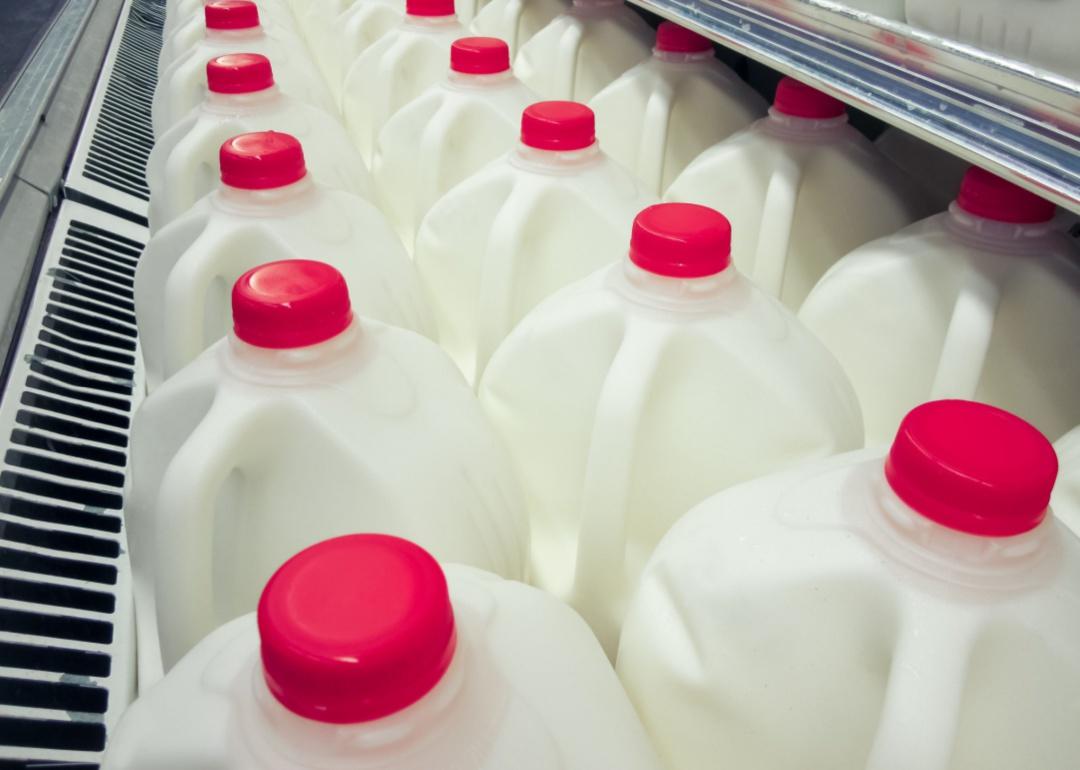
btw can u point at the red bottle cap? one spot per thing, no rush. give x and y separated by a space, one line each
231 14
429 7
239 73
560 126
261 160
972 467
479 55
681 240
290 304
356 628
675 39
801 101
991 197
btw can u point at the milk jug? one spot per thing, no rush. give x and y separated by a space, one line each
397 68
1038 33
802 188
918 610
304 423
549 212
185 33
242 98
232 26
1066 497
449 132
629 397
364 652
667 110
267 207
516 21
582 50
981 302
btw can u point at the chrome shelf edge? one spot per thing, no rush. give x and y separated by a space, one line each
1015 120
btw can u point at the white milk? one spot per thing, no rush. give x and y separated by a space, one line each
232 26
633 395
548 213
865 613
982 302
242 98
1033 31
397 68
305 423
582 50
516 21
802 188
186 32
422 667
1066 497
266 208
449 132
666 111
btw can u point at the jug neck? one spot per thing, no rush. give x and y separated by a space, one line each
804 129
273 201
429 23
240 104
994 235
671 294
472 82
682 57
554 161
233 36
329 361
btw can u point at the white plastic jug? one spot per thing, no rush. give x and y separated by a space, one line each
364 652
516 21
982 302
548 213
666 111
866 613
232 26
1066 497
241 98
185 33
305 423
449 132
802 188
397 68
582 50
1038 32
267 207
633 395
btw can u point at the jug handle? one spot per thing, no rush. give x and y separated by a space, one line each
513 12
431 169
495 303
652 151
183 546
923 697
566 61
777 220
600 574
967 339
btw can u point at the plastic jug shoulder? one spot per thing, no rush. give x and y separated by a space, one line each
925 600
516 21
583 50
946 307
631 396
338 36
186 33
664 112
802 189
449 132
548 213
450 667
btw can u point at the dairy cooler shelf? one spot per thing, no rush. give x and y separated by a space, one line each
1015 120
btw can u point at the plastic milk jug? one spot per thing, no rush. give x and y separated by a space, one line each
232 26
267 207
307 422
802 188
917 610
981 302
1066 497
582 50
397 68
449 132
629 397
180 12
516 21
274 16
364 652
242 98
666 111
548 213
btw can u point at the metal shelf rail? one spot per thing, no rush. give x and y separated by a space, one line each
1015 120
